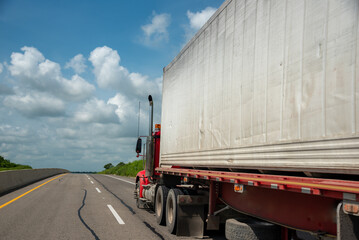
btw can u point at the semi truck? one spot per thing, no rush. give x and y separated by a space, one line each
260 125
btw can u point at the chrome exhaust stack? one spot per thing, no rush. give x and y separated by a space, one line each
149 144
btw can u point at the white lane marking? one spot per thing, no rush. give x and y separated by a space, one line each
98 190
120 179
118 218
92 182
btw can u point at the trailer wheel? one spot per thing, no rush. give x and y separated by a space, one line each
171 209
251 230
160 204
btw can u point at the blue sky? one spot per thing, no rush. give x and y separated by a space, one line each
72 74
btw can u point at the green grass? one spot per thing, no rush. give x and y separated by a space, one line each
19 167
129 169
8 165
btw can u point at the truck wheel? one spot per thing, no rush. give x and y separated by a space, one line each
171 209
251 230
160 204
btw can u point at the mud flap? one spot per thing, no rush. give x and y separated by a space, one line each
190 215
347 225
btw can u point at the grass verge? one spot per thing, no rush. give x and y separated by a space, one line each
129 169
8 165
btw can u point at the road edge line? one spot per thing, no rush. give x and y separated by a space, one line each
18 197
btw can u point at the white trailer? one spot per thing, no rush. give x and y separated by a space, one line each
267 85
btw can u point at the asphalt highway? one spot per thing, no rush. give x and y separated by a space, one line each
78 206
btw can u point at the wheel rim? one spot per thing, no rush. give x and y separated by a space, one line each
170 212
159 203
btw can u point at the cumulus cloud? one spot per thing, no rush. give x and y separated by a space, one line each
107 69
77 88
156 31
67 133
197 20
111 75
77 63
143 86
12 135
96 111
36 105
92 130
124 106
36 72
6 129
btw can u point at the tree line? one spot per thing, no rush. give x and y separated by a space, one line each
7 164
124 169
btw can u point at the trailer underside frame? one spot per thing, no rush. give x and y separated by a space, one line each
303 203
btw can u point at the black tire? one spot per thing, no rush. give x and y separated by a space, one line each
171 209
251 230
160 204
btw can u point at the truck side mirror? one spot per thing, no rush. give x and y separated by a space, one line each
138 145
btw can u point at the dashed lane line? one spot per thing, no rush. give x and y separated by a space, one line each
98 190
118 218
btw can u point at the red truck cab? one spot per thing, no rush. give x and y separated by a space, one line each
141 178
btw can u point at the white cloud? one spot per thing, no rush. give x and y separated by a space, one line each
26 64
36 105
111 75
197 20
77 63
156 31
95 131
96 111
10 134
34 71
107 69
77 88
9 130
68 133
1 68
143 86
123 106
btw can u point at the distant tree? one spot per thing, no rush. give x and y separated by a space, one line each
4 163
120 164
108 166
